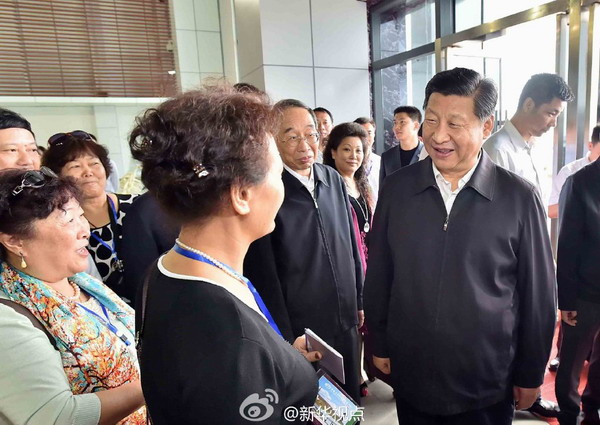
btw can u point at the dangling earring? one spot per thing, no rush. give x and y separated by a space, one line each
23 263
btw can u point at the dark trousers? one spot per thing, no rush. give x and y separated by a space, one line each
497 414
576 344
348 345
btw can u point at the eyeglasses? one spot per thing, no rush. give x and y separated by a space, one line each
58 138
293 141
34 179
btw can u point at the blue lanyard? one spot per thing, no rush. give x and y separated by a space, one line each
106 322
261 305
113 248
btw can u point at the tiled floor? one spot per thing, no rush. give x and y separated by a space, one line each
380 408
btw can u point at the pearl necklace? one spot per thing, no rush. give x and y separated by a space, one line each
76 290
217 263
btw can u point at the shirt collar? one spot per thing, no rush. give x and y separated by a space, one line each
463 180
482 179
303 179
515 137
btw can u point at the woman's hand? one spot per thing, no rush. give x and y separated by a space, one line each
300 345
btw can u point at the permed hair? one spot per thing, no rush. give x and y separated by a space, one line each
18 213
195 147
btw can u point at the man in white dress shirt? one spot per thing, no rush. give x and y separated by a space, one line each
542 100
570 169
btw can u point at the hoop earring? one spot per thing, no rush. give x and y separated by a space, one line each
23 263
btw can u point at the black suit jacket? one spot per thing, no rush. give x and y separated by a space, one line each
308 270
390 161
578 260
463 304
147 233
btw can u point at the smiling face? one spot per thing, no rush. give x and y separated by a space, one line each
56 248
453 134
89 174
18 149
543 117
297 122
348 156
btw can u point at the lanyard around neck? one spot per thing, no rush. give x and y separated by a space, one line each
261 305
106 322
113 211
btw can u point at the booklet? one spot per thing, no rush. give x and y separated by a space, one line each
332 361
333 406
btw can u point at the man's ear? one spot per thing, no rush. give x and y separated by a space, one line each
528 105
416 125
12 243
240 198
488 126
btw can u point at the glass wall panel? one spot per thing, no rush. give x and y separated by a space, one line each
467 14
406 27
404 84
495 9
510 68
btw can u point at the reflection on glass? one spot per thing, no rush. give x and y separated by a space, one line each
404 84
408 26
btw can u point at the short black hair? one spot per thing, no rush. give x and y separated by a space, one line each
542 88
466 83
321 109
413 113
365 120
284 104
10 119
596 134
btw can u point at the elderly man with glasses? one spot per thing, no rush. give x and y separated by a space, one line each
309 270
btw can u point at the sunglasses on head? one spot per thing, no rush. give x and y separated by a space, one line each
59 138
34 179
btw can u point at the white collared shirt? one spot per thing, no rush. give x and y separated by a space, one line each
372 168
514 154
564 173
449 195
308 182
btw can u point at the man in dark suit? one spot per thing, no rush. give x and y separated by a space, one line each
460 288
407 120
578 274
309 270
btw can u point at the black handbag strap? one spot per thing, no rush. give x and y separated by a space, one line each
142 313
34 320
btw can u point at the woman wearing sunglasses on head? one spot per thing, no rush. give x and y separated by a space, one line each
78 155
66 339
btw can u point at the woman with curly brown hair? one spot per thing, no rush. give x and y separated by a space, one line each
211 352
